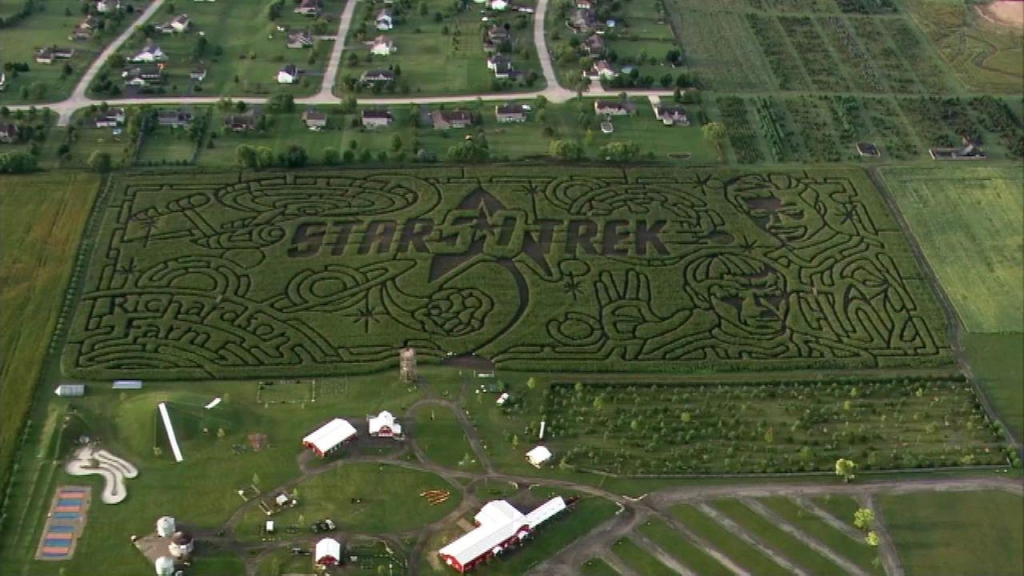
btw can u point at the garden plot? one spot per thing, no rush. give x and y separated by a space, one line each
263 269
898 72
739 127
780 52
724 51
781 427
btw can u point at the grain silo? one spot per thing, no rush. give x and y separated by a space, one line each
164 566
165 527
407 365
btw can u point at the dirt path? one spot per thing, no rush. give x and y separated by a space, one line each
749 538
1008 13
887 548
802 536
828 518
334 63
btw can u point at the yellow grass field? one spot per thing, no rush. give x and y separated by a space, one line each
41 221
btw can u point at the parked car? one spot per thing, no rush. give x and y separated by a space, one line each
325 525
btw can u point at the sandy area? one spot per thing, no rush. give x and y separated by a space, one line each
1005 12
113 469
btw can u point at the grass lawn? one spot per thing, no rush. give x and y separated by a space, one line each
857 551
957 533
970 224
41 220
244 49
391 501
597 567
440 56
164 144
775 538
739 551
639 559
842 507
722 49
50 24
682 549
220 564
997 360
439 434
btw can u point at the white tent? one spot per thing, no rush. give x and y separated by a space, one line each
328 552
538 456
329 436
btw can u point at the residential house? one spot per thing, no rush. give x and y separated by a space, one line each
585 4
315 119
501 65
300 39
498 5
672 115
85 29
376 118
509 112
197 74
583 20
89 23
144 75
594 45
376 77
44 56
8 133
495 36
382 46
449 119
174 118
601 69
178 24
289 74
151 53
613 107
49 54
109 118
105 6
384 20
241 122
310 8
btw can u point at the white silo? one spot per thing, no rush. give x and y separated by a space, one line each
165 527
164 566
181 544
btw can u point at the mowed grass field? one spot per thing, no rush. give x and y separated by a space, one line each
41 221
970 225
997 360
957 533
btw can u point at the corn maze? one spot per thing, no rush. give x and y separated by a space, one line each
236 275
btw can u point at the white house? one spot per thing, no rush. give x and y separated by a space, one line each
384 20
329 437
180 23
497 4
538 456
104 6
151 53
288 75
382 46
327 552
384 425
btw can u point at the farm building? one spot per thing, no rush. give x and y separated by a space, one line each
164 566
165 526
181 544
538 456
329 437
70 390
384 425
327 552
499 527
127 385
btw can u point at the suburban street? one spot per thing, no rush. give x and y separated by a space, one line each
554 91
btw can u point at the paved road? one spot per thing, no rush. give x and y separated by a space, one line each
554 91
331 75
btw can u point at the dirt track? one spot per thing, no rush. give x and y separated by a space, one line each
1008 13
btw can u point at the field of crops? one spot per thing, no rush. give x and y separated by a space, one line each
969 223
41 219
228 274
772 427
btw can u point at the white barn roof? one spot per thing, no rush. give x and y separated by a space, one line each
327 548
497 512
545 511
538 455
330 435
382 420
498 528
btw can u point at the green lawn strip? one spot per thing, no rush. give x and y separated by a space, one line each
957 533
743 554
857 551
438 433
219 564
786 544
682 549
842 507
390 501
997 360
639 559
597 567
970 224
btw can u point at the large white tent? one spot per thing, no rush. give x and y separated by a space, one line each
328 552
329 437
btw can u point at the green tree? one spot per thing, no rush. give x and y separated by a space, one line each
264 157
845 468
566 150
332 157
294 156
714 133
100 161
281 103
872 539
863 518
221 433
245 156
531 383
620 151
396 142
515 441
255 479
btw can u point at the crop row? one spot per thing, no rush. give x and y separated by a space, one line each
739 129
910 47
845 42
899 74
815 129
783 61
825 72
